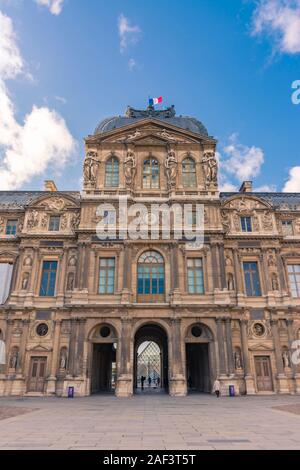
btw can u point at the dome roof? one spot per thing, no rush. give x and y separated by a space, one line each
168 116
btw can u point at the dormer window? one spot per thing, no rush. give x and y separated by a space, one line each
54 223
246 224
11 227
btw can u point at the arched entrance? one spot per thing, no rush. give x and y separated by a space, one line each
151 359
104 363
199 358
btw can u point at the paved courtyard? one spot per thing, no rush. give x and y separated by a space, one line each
150 422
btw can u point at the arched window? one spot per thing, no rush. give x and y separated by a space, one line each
112 170
151 277
151 174
189 173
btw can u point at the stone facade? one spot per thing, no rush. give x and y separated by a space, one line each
88 340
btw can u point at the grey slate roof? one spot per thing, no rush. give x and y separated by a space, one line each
278 200
19 199
168 116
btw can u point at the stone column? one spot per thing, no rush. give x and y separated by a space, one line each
175 274
51 387
72 347
220 336
230 358
281 377
127 267
125 372
215 266
22 350
177 382
281 271
222 267
249 380
238 273
80 347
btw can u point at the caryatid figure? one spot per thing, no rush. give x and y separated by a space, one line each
171 165
90 168
130 168
211 168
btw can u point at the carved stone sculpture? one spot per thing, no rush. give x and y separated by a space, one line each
90 168
28 261
25 281
63 359
210 164
230 281
129 168
286 359
33 219
2 224
267 221
13 362
70 283
237 360
171 165
75 221
225 221
64 222
275 284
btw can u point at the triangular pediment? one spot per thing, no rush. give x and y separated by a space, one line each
56 203
261 347
149 128
39 348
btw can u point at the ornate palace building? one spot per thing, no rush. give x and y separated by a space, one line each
75 309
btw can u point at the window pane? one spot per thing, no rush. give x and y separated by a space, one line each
251 277
48 280
6 271
112 172
107 276
11 227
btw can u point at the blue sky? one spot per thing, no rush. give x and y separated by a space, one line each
231 64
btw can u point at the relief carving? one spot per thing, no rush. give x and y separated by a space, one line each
2 224
267 221
33 219
210 166
56 204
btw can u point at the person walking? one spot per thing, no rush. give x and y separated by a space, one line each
142 382
149 381
217 388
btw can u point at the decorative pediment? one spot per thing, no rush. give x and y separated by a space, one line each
246 203
39 348
261 347
55 203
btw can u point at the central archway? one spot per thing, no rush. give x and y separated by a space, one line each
151 359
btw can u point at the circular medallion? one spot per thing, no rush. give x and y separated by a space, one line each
105 331
196 331
42 329
258 329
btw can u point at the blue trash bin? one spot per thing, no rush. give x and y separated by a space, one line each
70 392
231 391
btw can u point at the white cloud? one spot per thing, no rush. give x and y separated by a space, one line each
54 6
293 183
128 34
132 64
279 19
265 188
61 99
241 161
26 150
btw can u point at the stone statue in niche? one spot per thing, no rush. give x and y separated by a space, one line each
171 165
286 359
33 219
70 283
13 362
63 360
27 261
275 283
130 168
25 281
210 168
90 168
230 281
237 360
226 221
73 261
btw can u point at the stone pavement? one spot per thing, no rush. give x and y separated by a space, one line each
152 422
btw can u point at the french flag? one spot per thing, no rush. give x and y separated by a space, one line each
154 101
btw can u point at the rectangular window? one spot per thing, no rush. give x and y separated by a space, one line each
48 279
287 227
294 279
252 282
54 224
195 276
11 227
246 224
6 270
107 276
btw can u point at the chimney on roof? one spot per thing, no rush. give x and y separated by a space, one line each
246 187
50 186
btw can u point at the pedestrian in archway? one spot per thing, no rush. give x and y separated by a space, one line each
142 381
217 388
149 381
158 382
